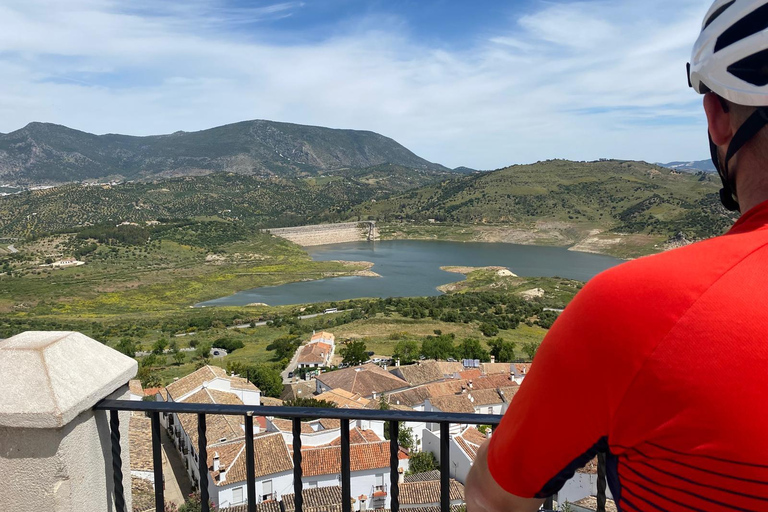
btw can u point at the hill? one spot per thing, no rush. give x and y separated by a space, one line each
261 202
42 153
571 201
697 166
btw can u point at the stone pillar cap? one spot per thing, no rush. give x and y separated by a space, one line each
48 378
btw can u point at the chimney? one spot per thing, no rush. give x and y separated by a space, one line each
493 359
488 433
400 476
216 461
470 384
375 395
397 363
223 474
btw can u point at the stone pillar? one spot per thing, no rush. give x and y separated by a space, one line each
55 450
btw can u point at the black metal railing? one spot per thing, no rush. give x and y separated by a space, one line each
296 414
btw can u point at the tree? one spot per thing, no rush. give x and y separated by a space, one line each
127 347
438 347
267 379
471 348
203 351
178 357
530 349
228 344
284 347
406 351
422 462
489 329
354 353
309 402
502 351
159 346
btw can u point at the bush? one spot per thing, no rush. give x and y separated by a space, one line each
422 462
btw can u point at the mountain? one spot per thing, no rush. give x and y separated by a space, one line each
614 196
697 166
42 153
465 170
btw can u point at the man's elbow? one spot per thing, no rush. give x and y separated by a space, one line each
483 494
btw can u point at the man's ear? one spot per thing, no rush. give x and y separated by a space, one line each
718 119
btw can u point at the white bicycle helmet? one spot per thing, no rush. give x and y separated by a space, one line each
730 59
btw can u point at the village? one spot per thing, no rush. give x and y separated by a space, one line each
469 387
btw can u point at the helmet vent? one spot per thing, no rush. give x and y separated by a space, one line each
718 12
749 25
753 69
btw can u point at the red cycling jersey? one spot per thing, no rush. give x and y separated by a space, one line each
661 362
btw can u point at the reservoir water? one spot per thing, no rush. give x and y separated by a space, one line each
411 268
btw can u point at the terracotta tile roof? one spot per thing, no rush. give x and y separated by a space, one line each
134 385
523 368
264 506
303 389
323 335
327 460
450 368
287 426
509 392
358 436
470 374
428 492
140 441
423 477
194 380
242 384
218 426
590 467
454 508
270 457
590 503
268 401
419 373
484 397
492 382
453 403
495 368
417 395
143 493
344 399
314 353
362 380
154 392
469 441
321 499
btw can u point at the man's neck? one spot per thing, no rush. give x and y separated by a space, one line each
751 181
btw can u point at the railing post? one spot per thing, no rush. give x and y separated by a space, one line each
601 482
445 468
49 429
157 462
250 463
297 471
202 462
346 473
117 461
394 465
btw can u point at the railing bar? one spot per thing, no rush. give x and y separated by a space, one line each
394 465
346 472
299 412
601 482
117 461
157 461
202 462
250 463
445 468
297 471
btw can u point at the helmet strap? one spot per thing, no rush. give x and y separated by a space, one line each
751 127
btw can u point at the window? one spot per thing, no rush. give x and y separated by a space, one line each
312 485
237 495
266 490
490 410
380 482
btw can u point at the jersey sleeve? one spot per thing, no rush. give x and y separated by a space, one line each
561 416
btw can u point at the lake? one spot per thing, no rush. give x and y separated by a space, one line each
411 268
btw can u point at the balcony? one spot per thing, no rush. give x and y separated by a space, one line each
92 433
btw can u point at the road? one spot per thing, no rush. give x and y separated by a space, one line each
12 249
291 366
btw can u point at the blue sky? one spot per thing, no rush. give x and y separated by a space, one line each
483 84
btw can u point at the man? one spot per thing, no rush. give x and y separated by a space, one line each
662 363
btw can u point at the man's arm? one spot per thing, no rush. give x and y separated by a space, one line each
483 494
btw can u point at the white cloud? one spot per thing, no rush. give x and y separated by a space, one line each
577 80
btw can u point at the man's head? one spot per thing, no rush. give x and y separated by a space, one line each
730 66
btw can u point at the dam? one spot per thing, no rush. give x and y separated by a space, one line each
324 234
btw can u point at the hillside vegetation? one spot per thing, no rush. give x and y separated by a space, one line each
568 202
48 153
